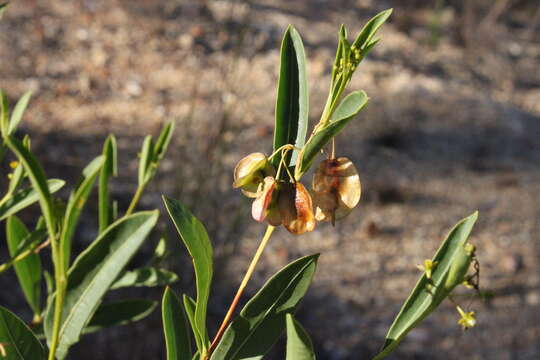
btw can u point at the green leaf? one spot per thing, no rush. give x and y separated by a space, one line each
162 143
145 161
25 198
370 29
452 262
18 112
262 320
110 168
119 313
37 178
146 276
349 107
292 105
30 242
299 345
18 173
94 271
17 339
4 110
198 244
160 252
175 327
189 307
342 34
28 270
75 206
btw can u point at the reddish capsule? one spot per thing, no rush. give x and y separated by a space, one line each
296 208
336 189
265 195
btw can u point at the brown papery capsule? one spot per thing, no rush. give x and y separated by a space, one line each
250 172
336 189
265 195
296 208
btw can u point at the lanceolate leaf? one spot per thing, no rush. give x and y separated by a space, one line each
75 205
26 197
18 112
299 345
94 271
119 313
16 179
262 320
162 143
145 162
339 52
4 106
175 327
37 177
112 314
370 29
17 339
109 169
347 109
146 276
196 240
452 262
292 97
28 270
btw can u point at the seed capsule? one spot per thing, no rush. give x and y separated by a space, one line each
336 189
250 172
259 208
296 208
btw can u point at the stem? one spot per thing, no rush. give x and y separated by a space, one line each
240 291
58 305
135 199
22 256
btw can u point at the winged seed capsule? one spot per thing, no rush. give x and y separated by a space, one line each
336 189
296 208
250 172
265 196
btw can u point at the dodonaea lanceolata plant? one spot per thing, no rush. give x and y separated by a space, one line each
280 198
74 304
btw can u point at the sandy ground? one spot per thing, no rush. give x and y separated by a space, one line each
453 126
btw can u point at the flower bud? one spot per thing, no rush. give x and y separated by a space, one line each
336 189
296 208
250 172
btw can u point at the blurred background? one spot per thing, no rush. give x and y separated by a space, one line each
453 126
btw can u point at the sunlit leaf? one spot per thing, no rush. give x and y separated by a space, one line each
25 198
349 107
196 240
452 261
299 345
94 271
292 105
146 276
262 320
